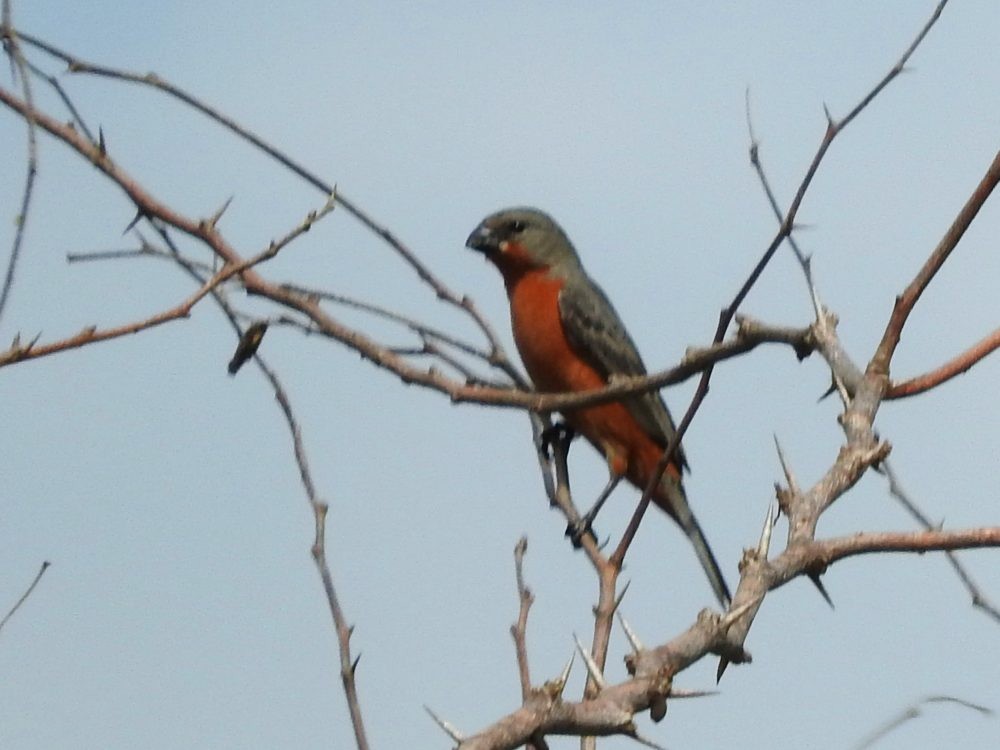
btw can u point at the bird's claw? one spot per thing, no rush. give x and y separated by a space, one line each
560 432
577 530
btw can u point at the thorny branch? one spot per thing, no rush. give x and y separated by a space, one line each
610 709
13 49
348 664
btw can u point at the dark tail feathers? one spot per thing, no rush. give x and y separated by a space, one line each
681 512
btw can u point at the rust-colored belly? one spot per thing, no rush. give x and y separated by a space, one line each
554 366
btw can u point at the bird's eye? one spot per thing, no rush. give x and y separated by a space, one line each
517 226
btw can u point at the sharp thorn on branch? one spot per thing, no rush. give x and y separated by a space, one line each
764 546
818 583
218 214
448 727
785 468
828 392
633 639
102 145
564 677
829 117
682 693
634 734
592 669
621 594
139 215
721 669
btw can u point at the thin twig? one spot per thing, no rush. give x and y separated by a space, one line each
348 664
13 50
519 630
381 312
912 712
896 490
26 594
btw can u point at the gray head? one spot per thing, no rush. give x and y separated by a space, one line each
519 239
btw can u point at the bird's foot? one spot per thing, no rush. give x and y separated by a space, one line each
578 529
560 432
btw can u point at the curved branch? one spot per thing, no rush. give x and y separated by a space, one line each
906 301
955 366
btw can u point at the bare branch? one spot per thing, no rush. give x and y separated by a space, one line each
896 490
10 44
519 630
348 665
956 366
912 712
906 301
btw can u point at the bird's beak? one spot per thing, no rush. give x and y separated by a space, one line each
483 239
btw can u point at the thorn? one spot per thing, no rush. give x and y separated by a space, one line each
135 220
829 391
721 669
102 145
681 693
31 345
633 639
814 577
218 214
354 664
789 476
829 117
564 677
592 669
765 535
448 727
634 734
621 596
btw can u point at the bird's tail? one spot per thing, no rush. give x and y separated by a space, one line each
681 512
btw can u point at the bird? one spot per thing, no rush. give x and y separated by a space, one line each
571 339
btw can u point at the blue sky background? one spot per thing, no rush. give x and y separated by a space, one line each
182 608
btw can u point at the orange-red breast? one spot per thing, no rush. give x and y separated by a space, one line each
571 339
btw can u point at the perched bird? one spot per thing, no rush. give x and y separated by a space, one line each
571 339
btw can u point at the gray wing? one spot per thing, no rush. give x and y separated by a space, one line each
598 335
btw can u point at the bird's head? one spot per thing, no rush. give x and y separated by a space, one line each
518 240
